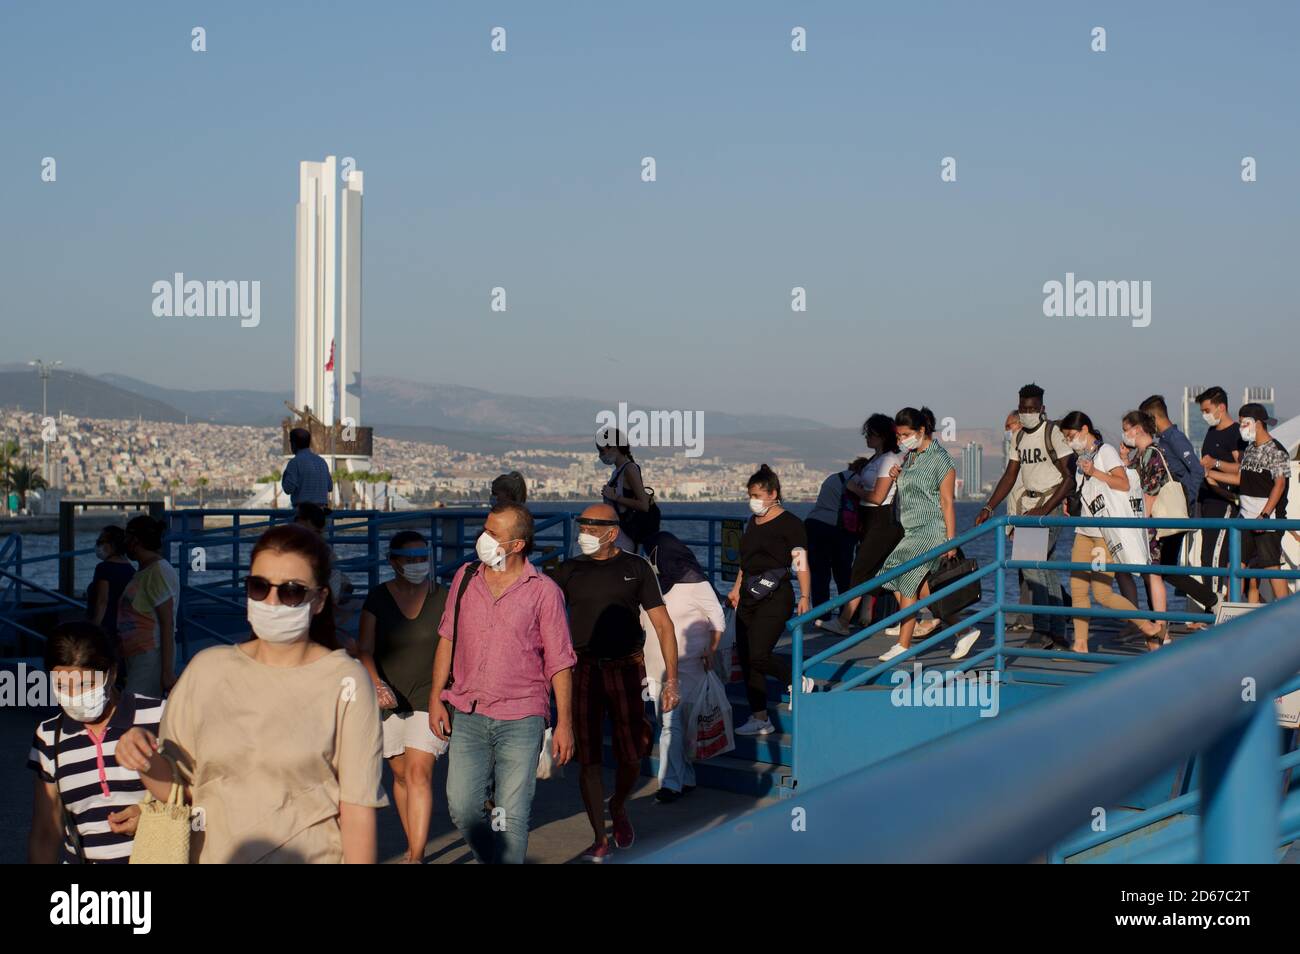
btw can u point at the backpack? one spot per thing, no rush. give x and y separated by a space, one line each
849 515
639 525
1073 502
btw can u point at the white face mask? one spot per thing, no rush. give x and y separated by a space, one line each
88 706
759 507
1130 441
103 551
589 543
910 443
1009 437
491 553
277 623
1079 445
1247 430
416 572
1211 419
1031 420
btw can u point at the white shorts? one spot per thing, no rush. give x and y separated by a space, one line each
410 730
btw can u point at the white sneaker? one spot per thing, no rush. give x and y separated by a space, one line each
964 643
754 727
834 626
895 650
895 630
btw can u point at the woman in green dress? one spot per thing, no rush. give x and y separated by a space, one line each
926 484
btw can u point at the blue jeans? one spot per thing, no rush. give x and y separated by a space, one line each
675 770
503 753
1045 590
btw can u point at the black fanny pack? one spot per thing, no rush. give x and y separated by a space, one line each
765 584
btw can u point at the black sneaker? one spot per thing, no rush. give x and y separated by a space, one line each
666 796
1039 641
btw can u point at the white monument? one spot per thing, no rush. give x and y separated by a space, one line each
327 339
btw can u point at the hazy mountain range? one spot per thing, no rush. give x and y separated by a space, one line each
464 418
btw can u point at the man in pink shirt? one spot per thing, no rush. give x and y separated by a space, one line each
493 675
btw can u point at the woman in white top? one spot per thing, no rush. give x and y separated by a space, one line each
875 487
696 613
1101 476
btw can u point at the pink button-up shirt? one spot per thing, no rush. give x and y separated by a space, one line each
509 647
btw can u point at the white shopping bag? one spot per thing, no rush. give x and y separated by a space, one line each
710 729
1123 544
546 766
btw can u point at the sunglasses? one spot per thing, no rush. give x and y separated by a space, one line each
291 594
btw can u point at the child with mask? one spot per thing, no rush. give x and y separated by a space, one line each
86 802
276 739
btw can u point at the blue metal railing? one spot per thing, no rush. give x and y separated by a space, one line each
973 796
1000 652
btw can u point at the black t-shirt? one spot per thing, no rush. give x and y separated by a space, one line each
767 546
1219 444
404 648
117 576
605 599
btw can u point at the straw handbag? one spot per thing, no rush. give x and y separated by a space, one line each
162 835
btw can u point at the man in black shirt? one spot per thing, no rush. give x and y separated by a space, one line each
605 589
1222 445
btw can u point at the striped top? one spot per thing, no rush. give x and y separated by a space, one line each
90 782
918 486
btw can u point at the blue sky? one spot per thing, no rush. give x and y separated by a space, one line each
775 169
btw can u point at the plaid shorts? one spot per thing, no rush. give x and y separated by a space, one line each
613 687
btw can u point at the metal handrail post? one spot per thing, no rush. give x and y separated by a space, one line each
372 553
713 561
1240 792
1234 559
796 692
1000 589
184 575
234 551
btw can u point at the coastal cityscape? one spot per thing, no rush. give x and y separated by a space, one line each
227 464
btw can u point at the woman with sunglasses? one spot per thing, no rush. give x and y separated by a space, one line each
277 739
396 643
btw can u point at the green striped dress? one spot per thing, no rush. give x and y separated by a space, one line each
921 515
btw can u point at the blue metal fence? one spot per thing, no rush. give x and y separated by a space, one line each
1006 789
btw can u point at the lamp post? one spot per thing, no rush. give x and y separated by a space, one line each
45 369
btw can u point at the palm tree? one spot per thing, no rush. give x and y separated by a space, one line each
202 482
145 487
24 478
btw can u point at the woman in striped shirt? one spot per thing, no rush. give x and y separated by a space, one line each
86 806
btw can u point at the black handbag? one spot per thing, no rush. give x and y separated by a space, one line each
952 569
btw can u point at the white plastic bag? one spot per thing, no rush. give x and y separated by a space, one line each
710 730
546 767
1123 544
